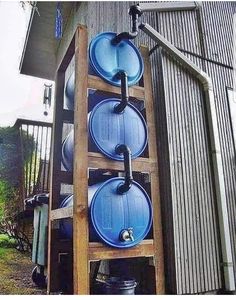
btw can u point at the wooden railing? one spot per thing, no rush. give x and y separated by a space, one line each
35 149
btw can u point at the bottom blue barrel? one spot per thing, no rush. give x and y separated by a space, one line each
119 220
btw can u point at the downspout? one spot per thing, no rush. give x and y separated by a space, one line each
215 150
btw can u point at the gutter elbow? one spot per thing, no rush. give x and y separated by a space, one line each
205 80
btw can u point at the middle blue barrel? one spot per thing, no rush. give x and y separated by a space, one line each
108 129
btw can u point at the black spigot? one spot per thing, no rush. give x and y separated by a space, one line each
124 149
135 12
119 108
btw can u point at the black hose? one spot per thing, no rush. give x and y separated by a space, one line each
135 12
119 108
124 149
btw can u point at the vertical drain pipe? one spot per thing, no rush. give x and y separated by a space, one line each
215 150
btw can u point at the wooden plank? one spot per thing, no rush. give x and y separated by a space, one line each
68 116
98 251
66 177
80 220
54 182
99 161
56 174
97 83
152 147
61 213
52 264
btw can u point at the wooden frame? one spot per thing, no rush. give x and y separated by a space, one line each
83 250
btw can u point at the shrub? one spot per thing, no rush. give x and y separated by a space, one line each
6 242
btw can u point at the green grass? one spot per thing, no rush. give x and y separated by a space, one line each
2 252
6 242
15 273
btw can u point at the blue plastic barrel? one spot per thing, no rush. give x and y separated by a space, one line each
94 96
107 59
68 151
108 129
66 225
121 221
70 92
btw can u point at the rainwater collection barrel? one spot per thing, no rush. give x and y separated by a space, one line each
106 60
94 96
108 129
119 220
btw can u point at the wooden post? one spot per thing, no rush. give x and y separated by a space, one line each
80 219
55 183
155 193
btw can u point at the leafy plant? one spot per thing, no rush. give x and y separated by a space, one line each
11 164
7 242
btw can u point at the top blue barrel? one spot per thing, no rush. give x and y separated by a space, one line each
107 59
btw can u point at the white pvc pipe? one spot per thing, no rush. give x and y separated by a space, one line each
215 150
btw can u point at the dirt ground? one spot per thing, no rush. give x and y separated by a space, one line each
15 274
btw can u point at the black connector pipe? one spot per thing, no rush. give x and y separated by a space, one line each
119 108
135 12
124 149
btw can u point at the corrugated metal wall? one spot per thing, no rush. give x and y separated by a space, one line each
206 33
196 241
222 78
216 19
190 226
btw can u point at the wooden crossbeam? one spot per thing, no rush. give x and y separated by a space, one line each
98 251
61 213
99 161
97 83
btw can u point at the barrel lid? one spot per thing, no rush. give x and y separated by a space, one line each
109 129
111 213
108 59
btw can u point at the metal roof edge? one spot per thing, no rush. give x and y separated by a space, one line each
27 36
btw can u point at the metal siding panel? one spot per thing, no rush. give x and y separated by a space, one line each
164 171
181 29
217 24
107 16
222 78
197 261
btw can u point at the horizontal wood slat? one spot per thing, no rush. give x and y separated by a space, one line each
99 251
97 160
97 83
60 213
